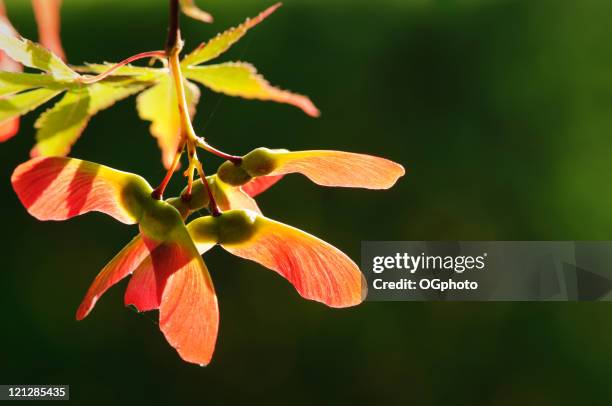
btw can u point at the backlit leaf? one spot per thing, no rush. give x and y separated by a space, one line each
33 55
13 82
189 8
241 79
159 105
19 104
141 72
223 41
60 126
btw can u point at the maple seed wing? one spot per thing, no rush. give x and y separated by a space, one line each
338 168
317 270
57 188
188 313
230 197
259 185
118 268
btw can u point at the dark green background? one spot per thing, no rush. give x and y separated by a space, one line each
501 112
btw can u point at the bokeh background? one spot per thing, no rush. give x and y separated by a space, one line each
501 111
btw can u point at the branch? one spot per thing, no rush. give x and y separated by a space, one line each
174 30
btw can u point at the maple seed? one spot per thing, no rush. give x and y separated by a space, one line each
198 198
236 226
233 174
261 161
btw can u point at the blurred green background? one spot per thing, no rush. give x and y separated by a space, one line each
501 111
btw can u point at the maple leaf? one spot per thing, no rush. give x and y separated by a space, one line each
190 9
157 104
60 126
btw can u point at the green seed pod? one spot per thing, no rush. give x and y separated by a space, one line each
181 205
231 227
233 174
199 197
160 220
261 161
235 226
135 195
204 231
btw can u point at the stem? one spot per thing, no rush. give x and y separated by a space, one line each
189 173
174 30
158 193
179 84
142 55
174 44
213 207
235 159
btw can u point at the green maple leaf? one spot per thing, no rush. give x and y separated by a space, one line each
238 78
158 104
59 127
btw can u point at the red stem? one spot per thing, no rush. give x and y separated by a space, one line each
142 55
206 146
158 193
213 207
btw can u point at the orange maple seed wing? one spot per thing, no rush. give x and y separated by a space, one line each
259 185
147 284
188 313
144 290
118 268
338 168
58 188
179 280
231 198
317 270
47 13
